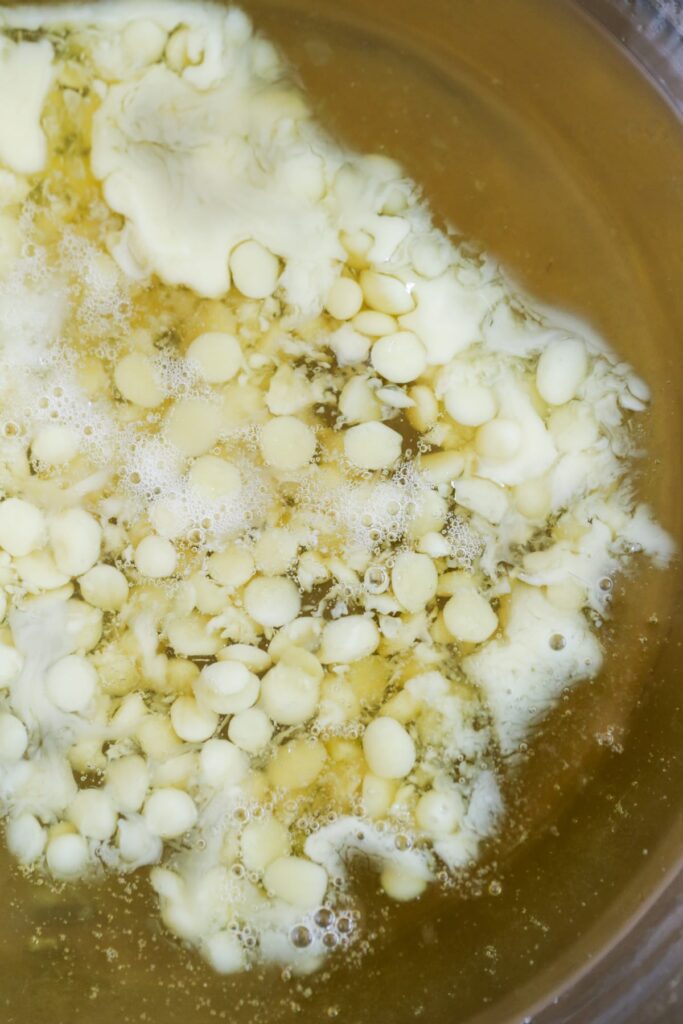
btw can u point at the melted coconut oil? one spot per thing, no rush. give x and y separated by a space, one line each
143 474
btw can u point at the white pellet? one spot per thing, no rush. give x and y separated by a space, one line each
468 616
169 813
193 425
389 749
136 379
372 445
401 884
250 730
22 527
344 299
136 844
104 587
297 881
216 356
67 855
54 445
470 404
225 952
128 782
26 838
215 478
400 358
498 439
272 600
414 580
156 557
561 370
348 639
255 271
357 401
71 683
349 347
262 842
13 737
191 721
93 814
289 695
227 687
386 294
439 813
222 763
374 324
75 538
11 663
287 443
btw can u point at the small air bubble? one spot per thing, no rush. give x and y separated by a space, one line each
376 579
300 937
324 917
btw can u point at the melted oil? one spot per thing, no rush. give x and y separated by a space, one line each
533 136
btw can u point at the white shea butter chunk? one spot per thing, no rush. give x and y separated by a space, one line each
26 838
255 271
543 649
344 299
26 73
217 357
136 379
348 639
272 600
93 814
289 694
75 539
401 884
104 587
156 557
399 358
250 730
389 749
55 445
468 616
439 813
22 527
262 842
287 443
222 763
227 687
67 856
183 165
13 738
414 580
470 404
214 478
561 370
372 445
11 663
297 881
71 683
170 813
191 721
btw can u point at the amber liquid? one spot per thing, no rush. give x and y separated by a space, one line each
532 135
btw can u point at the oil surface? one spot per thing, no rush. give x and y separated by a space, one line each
532 136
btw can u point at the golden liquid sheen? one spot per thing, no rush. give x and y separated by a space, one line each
534 136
